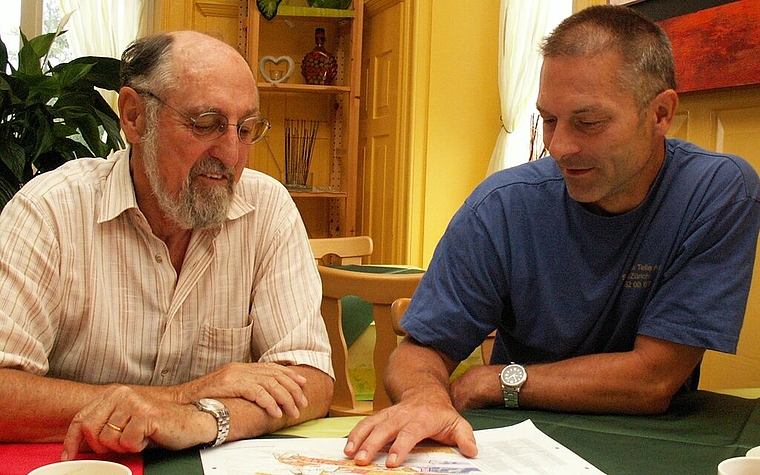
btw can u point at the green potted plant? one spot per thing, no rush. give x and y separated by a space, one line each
52 114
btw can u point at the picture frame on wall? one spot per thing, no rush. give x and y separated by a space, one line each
716 47
716 43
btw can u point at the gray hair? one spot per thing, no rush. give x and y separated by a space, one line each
648 65
146 66
146 63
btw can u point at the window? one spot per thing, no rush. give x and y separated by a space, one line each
33 17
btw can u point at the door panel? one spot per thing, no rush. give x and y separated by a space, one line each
382 169
728 121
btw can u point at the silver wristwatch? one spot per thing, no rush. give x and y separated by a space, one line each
512 377
222 415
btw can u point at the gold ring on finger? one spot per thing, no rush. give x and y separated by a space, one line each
115 427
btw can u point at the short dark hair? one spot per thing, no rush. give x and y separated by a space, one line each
145 64
648 65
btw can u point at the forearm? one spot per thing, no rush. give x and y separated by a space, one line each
39 409
641 381
418 371
248 420
619 383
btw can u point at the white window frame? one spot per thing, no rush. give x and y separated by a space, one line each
31 17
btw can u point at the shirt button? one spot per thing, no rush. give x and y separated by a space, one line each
159 259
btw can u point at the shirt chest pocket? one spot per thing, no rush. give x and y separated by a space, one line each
219 346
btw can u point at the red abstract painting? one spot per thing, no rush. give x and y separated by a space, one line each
716 47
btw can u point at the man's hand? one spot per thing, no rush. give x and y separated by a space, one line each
273 387
405 424
122 420
478 387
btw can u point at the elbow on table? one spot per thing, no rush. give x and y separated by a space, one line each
656 399
320 394
326 400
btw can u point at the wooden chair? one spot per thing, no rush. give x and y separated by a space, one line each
381 290
486 348
341 250
398 308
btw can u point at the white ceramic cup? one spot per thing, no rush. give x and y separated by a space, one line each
754 452
740 466
82 467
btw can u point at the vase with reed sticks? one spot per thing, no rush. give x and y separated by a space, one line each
300 135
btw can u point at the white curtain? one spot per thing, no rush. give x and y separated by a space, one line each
104 28
522 26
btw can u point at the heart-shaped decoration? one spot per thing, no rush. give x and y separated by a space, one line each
283 76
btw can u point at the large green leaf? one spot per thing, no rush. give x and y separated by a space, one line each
268 8
43 132
7 190
32 51
104 72
14 159
70 74
52 115
3 56
91 132
8 187
16 89
53 159
6 97
111 126
41 89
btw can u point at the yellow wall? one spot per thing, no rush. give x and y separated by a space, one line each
728 121
457 113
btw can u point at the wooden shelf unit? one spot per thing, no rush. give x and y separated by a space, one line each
330 210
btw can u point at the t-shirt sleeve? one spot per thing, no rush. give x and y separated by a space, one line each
703 295
462 294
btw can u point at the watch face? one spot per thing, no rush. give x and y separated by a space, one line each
513 375
212 404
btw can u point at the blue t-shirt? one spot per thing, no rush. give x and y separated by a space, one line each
558 281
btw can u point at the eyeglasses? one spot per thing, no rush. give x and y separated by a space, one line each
210 126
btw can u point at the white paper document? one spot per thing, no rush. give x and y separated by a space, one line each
519 449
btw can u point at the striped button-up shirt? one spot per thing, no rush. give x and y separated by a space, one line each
88 293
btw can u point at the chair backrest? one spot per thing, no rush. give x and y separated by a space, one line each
398 307
486 348
381 290
341 250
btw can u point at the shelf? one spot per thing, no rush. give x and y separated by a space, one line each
330 208
288 10
317 193
310 88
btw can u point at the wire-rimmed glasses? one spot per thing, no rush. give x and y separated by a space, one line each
210 125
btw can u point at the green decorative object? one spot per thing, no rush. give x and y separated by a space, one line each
268 8
337 4
50 115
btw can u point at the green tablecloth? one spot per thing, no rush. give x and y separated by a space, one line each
699 431
377 269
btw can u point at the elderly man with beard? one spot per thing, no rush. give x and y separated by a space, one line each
166 296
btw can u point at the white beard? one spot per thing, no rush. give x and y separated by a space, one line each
194 206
